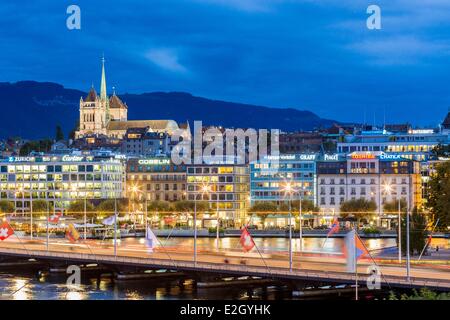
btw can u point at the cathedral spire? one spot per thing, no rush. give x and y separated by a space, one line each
103 82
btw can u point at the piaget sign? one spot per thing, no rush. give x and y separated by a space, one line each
154 161
331 157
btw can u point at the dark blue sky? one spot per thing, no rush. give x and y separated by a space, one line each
314 55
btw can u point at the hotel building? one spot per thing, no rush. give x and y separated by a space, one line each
60 180
157 179
414 144
374 176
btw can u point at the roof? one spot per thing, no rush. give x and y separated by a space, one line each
446 123
115 102
159 125
92 96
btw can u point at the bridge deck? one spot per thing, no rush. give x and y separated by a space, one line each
281 273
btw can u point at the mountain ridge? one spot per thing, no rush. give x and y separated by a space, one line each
35 108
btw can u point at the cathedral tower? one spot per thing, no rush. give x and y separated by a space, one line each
94 110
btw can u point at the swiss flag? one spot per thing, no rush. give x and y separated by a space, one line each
5 231
246 240
54 218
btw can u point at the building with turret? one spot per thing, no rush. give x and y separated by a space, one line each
101 115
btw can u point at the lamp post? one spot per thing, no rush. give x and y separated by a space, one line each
300 219
218 222
408 257
31 214
135 189
288 190
388 189
399 233
204 190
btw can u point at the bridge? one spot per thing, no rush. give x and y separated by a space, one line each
330 269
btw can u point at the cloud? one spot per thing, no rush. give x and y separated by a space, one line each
400 50
248 5
166 59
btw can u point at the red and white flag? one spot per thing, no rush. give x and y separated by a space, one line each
5 231
246 240
54 218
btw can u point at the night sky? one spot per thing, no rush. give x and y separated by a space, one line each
313 55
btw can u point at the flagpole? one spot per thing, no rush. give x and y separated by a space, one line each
373 260
290 232
31 214
399 233
146 214
115 227
48 217
408 256
356 265
301 219
195 229
427 244
85 215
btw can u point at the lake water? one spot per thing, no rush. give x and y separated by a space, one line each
28 285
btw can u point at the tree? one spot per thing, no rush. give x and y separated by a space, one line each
423 294
41 206
438 199
108 206
36 146
164 206
59 133
329 146
76 209
72 132
392 206
307 206
441 151
358 208
6 206
417 232
188 206
263 208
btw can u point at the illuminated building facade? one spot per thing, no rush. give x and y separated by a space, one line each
157 179
415 144
374 176
268 176
227 189
59 180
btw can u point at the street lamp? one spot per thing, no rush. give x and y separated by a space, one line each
218 221
205 189
135 189
388 189
288 189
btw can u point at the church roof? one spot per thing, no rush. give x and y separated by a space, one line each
446 123
92 95
160 125
115 102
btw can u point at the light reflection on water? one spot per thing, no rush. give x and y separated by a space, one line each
331 245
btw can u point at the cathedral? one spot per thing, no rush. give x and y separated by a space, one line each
101 115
